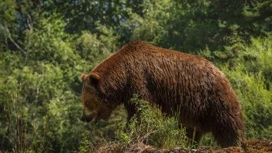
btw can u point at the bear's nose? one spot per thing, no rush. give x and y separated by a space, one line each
83 118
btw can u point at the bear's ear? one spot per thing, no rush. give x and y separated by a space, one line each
83 77
93 79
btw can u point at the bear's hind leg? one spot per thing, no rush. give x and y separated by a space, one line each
226 138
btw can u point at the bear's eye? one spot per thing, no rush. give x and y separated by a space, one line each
87 103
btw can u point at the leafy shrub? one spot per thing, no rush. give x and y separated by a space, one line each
250 75
150 126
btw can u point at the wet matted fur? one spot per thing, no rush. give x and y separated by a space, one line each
176 82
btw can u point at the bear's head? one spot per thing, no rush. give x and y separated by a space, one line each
94 107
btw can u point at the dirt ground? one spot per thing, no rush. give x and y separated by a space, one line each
250 146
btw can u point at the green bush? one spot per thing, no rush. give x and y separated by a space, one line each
150 126
250 75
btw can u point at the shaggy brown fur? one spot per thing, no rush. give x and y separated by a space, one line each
175 81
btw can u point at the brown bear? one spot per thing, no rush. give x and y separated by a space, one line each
176 82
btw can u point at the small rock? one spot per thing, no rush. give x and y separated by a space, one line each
159 151
174 151
194 150
177 148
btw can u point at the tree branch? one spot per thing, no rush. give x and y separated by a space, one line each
13 41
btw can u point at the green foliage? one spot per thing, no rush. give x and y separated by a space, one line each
84 144
193 25
151 127
45 47
7 11
38 98
85 15
250 75
93 49
7 16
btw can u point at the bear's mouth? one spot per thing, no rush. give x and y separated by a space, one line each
90 118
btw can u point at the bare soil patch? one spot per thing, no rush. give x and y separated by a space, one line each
250 146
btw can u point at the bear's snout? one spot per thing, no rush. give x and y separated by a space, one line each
83 118
89 118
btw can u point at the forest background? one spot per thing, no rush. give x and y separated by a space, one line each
45 45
